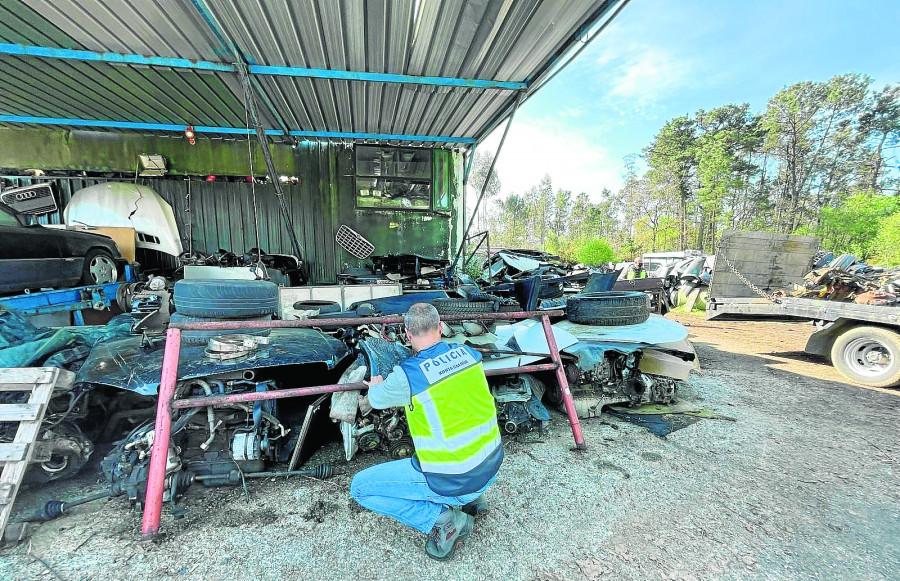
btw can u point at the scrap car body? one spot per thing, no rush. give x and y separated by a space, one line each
34 256
218 445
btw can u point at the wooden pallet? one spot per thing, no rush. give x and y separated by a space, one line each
39 383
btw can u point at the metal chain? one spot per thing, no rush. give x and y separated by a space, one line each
744 279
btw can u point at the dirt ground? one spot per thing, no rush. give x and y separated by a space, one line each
801 485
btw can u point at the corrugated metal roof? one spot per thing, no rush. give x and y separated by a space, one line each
504 40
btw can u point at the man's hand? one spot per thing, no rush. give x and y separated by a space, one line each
376 380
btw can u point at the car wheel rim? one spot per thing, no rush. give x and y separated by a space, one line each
103 269
868 357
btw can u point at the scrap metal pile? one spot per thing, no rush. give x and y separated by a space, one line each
413 271
289 265
518 264
417 272
614 352
845 278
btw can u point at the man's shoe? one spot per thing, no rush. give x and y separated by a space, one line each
451 529
476 507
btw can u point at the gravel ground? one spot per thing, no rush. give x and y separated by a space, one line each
803 484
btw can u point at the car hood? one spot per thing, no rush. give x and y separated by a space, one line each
130 365
131 206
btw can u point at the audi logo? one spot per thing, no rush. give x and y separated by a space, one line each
22 196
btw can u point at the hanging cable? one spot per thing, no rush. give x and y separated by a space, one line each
259 263
270 166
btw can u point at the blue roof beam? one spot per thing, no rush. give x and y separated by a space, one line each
283 71
105 124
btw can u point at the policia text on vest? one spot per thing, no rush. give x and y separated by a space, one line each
446 364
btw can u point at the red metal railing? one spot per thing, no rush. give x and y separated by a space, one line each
169 377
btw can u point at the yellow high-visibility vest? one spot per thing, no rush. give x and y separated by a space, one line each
452 419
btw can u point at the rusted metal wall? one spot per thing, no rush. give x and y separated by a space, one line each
219 214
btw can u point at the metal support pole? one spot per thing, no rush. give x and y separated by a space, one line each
563 384
487 180
467 168
156 477
487 239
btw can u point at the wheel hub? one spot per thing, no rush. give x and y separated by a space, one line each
103 269
868 357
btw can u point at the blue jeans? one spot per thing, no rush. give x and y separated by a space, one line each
398 490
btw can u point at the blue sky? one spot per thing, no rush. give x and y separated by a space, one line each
663 58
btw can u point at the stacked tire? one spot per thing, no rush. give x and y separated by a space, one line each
611 308
202 300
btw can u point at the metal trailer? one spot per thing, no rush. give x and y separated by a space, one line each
861 341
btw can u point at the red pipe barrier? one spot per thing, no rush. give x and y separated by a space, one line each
520 369
563 384
354 322
208 400
203 401
159 454
156 477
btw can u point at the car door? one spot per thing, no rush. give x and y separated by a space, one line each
29 255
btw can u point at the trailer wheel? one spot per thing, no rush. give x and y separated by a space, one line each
868 355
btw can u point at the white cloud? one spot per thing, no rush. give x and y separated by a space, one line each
650 73
573 112
533 149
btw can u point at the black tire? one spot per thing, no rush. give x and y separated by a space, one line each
98 268
226 299
551 291
613 308
203 337
868 355
324 307
462 306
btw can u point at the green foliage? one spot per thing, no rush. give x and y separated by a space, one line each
818 160
594 253
853 226
473 268
887 241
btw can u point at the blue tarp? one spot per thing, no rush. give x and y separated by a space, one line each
24 345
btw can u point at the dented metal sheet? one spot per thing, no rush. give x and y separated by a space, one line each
526 336
128 364
655 330
658 363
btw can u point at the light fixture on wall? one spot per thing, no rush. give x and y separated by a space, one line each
151 165
189 133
